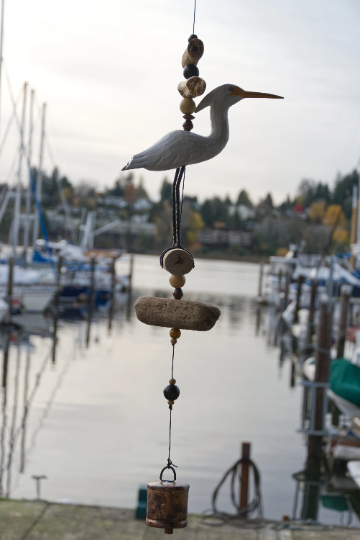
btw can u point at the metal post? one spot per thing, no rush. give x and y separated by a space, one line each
310 328
353 221
346 291
17 210
131 270
260 280
56 306
244 476
10 287
38 484
322 373
1 46
90 298
112 300
300 282
39 176
28 191
287 284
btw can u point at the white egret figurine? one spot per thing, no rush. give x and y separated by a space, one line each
181 148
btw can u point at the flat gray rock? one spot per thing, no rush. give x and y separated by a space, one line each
182 314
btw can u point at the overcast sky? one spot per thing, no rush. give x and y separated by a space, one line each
109 72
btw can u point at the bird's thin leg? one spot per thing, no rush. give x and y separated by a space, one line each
176 209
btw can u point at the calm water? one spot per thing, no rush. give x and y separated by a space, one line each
97 424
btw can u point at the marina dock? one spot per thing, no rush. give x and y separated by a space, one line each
27 520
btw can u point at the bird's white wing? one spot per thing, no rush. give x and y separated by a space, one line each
176 149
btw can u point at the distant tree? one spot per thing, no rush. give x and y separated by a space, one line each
317 211
244 199
166 191
193 225
344 186
334 216
214 210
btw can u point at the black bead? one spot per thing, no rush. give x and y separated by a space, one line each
172 392
178 294
191 71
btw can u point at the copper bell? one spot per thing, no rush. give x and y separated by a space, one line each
167 504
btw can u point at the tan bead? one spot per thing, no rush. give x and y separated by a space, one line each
175 333
172 381
170 402
187 106
177 281
173 341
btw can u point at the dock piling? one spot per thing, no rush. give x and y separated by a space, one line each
260 279
322 374
56 307
300 282
10 287
112 300
90 298
346 291
244 476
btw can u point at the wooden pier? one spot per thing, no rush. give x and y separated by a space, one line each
40 520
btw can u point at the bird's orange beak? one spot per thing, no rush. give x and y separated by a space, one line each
244 94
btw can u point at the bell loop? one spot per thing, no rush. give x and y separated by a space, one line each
164 469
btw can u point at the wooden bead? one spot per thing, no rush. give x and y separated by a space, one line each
177 261
187 106
170 402
193 87
172 381
178 294
188 125
177 281
175 333
173 341
191 71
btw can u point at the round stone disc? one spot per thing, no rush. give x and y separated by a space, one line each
178 262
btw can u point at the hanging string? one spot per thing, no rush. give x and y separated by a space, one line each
169 462
182 196
194 17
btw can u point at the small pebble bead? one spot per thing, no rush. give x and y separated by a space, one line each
173 341
175 333
172 381
172 392
187 106
170 402
178 294
191 71
177 281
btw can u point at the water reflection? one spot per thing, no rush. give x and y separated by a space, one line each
94 422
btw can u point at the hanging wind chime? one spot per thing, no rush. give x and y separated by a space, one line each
167 499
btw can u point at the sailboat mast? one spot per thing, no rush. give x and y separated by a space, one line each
353 221
1 48
28 192
39 176
15 237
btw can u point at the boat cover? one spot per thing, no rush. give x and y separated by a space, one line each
345 380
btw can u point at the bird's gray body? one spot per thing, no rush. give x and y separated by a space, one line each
181 148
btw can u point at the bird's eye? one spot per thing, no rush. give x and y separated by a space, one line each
231 89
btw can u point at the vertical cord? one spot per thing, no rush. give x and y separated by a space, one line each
170 406
194 17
